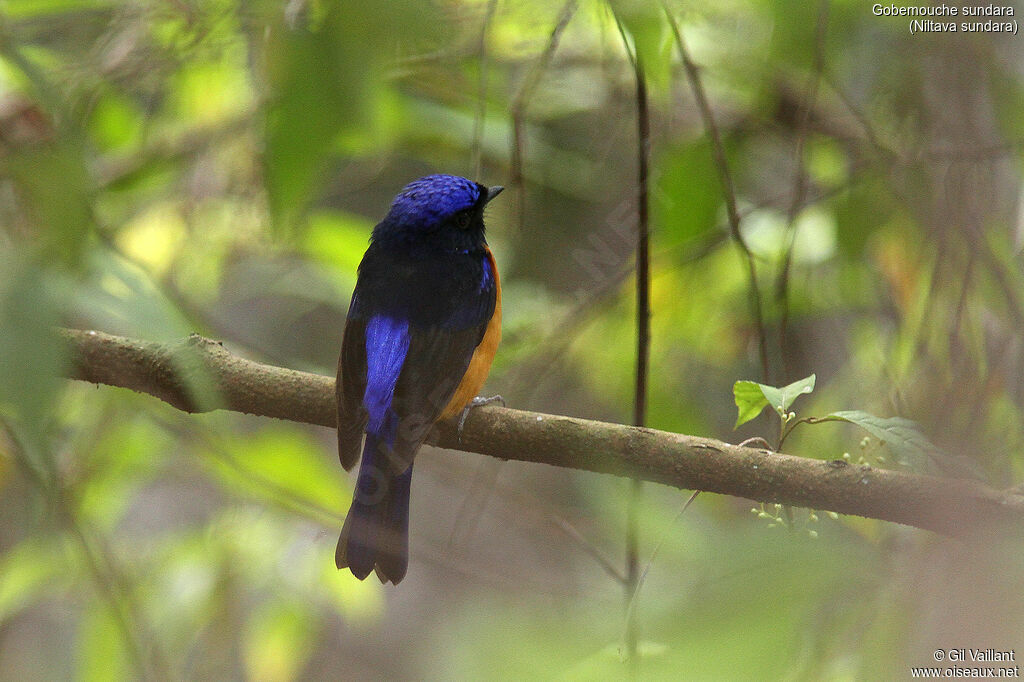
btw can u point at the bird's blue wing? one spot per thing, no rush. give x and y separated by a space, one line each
349 390
416 329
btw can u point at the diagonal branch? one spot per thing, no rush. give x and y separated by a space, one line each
728 189
171 373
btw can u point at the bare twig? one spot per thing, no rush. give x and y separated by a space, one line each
481 107
111 585
517 108
643 334
588 547
728 190
643 343
799 182
654 555
643 265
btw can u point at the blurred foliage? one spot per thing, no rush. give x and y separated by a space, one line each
216 166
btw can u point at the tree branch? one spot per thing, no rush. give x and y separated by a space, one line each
173 373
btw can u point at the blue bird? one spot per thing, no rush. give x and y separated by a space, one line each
423 326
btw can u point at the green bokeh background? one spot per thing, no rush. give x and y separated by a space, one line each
177 166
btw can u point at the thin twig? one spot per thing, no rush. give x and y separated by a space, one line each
520 498
643 266
588 547
643 341
643 335
481 107
213 451
517 109
1014 302
631 608
556 343
112 588
799 183
725 177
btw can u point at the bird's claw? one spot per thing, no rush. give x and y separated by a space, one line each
478 401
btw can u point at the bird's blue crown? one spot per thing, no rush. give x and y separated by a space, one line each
429 200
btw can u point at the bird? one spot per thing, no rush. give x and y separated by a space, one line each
422 330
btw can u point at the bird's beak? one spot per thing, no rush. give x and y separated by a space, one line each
493 192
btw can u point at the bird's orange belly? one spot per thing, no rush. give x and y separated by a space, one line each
480 365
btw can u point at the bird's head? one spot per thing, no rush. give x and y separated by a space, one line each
437 212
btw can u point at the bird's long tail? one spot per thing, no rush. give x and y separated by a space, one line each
376 530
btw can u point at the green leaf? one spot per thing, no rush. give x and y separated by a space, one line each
55 185
781 398
318 91
329 88
749 399
900 434
752 397
910 446
31 353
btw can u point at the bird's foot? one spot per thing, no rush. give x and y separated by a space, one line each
478 401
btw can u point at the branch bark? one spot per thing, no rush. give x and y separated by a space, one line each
178 373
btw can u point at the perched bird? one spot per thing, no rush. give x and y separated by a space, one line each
422 329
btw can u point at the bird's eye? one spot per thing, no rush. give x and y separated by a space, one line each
462 220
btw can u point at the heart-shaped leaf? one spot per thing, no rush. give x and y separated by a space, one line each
752 397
